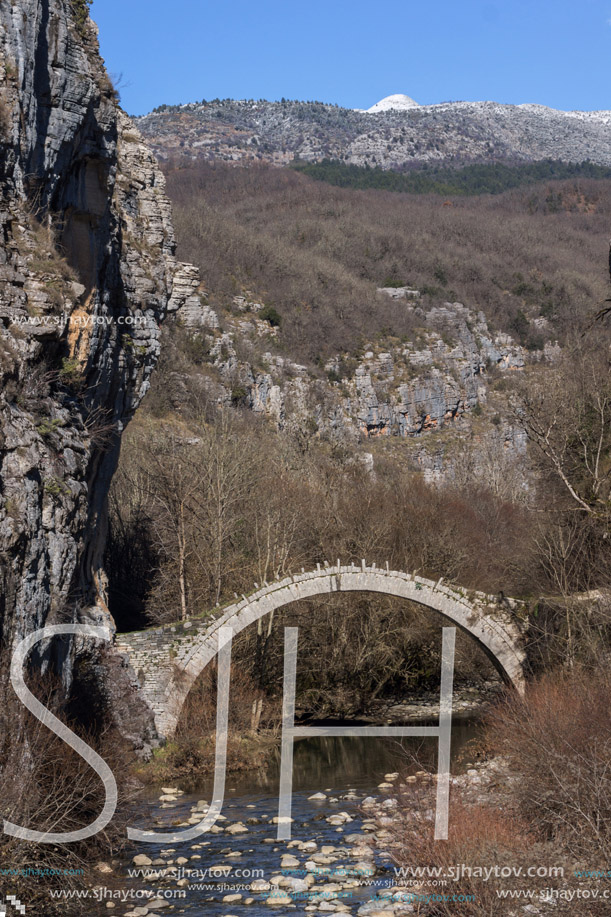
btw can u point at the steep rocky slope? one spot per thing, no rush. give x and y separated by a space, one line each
454 132
441 393
86 273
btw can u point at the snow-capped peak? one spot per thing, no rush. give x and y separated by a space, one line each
397 102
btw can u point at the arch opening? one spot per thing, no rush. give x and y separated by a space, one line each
497 630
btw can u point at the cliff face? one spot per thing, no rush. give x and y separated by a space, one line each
427 390
86 273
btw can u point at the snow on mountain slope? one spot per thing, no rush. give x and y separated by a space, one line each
391 135
397 102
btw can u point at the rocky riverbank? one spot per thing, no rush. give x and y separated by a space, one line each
312 874
468 700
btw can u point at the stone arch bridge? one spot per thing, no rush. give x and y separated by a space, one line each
168 659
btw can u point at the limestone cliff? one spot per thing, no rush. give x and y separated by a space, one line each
442 390
86 273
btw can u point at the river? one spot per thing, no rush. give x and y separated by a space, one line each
337 767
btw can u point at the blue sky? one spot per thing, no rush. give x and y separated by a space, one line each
354 52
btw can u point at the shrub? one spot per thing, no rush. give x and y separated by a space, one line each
48 787
478 835
558 744
80 11
71 373
269 314
520 325
238 395
47 427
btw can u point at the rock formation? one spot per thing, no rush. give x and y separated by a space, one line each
87 269
427 390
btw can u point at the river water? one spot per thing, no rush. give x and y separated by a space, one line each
334 766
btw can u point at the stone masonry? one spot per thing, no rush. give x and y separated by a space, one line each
167 660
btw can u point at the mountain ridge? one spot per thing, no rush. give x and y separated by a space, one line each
454 133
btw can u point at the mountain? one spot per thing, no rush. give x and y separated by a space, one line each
396 133
397 102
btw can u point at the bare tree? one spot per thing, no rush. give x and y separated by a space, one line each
566 414
174 484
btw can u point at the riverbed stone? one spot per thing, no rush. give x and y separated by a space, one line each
296 884
260 885
340 818
278 899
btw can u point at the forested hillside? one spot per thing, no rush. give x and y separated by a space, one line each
532 259
482 178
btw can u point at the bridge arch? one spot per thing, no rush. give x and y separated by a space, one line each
167 660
